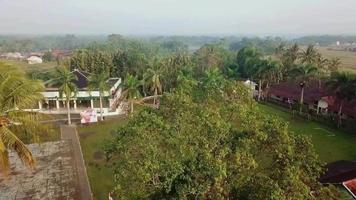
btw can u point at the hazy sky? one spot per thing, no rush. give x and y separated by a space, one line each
179 17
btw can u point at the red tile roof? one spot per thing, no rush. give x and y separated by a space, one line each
351 186
313 93
292 90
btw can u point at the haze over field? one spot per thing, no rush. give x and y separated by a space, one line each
180 17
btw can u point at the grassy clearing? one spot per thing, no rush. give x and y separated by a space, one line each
348 58
92 138
27 67
330 144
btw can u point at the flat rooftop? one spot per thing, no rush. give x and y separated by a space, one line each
55 176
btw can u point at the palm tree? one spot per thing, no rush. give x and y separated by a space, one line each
334 64
67 89
343 85
153 77
99 82
309 55
131 90
321 63
289 58
17 93
304 73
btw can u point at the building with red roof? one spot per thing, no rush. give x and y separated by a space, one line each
315 96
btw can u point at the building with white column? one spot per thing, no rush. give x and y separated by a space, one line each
83 99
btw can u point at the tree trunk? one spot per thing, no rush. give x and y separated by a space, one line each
68 112
259 90
132 106
101 107
301 101
340 114
154 99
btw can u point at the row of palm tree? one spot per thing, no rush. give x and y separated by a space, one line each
131 86
68 90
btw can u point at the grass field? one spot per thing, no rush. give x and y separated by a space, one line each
348 58
27 67
331 145
92 140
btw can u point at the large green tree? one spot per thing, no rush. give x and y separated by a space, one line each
247 59
220 148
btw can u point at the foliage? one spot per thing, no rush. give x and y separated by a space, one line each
247 59
212 148
131 89
99 82
67 88
17 93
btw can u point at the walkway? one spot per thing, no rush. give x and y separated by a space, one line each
70 133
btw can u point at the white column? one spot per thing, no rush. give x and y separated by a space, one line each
75 104
40 105
91 103
57 104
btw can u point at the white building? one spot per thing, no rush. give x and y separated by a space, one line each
12 56
252 86
83 99
34 60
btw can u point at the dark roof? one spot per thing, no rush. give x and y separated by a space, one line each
81 82
339 171
82 79
292 90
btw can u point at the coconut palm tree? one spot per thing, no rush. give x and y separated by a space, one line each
99 82
289 58
343 85
131 90
67 89
308 56
17 93
334 64
153 77
322 64
304 74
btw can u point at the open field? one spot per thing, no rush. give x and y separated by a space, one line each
348 58
330 144
27 67
92 139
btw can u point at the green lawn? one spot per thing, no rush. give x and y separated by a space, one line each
330 144
92 138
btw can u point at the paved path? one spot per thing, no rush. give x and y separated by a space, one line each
70 133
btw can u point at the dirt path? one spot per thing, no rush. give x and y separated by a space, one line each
70 133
